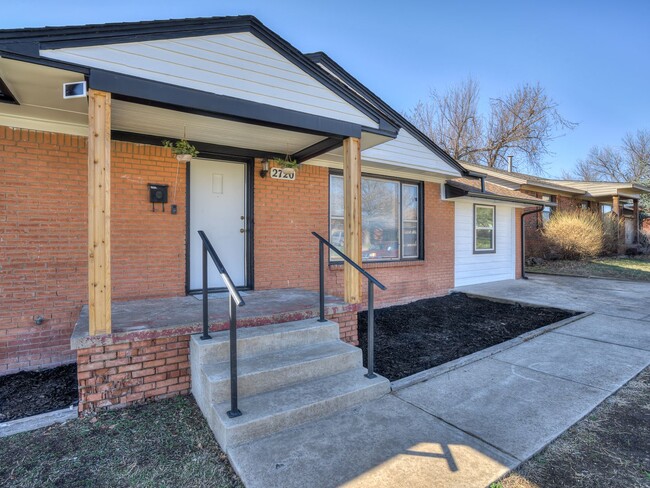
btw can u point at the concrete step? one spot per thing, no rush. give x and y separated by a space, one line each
279 369
252 341
273 411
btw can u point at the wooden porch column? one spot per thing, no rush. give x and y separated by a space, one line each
352 216
635 214
615 203
99 212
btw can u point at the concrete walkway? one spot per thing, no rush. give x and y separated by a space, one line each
469 426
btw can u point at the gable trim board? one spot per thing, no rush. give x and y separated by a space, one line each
336 71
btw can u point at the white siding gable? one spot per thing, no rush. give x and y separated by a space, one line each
406 151
237 65
473 268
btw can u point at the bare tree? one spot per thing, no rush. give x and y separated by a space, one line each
629 162
522 124
451 119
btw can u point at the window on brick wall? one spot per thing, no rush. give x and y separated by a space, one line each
391 218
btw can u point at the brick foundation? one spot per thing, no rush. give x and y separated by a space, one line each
348 329
136 371
122 374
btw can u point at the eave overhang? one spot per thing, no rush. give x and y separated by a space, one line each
452 191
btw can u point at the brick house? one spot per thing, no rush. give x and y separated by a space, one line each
102 261
620 198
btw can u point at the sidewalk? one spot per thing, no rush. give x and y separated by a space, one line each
469 426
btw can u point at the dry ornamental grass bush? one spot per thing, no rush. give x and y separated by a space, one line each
613 227
575 234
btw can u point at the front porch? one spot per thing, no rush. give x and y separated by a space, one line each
147 354
168 317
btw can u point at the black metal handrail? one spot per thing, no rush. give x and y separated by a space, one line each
234 300
372 282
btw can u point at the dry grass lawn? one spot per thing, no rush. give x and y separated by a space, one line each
162 444
626 268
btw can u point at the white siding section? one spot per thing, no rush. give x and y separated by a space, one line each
473 268
406 151
238 65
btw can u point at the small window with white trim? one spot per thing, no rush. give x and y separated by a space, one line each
484 216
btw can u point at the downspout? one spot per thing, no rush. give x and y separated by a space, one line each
523 240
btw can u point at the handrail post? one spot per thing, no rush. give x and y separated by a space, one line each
232 309
321 277
206 325
371 331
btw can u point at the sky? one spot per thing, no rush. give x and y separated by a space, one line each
592 57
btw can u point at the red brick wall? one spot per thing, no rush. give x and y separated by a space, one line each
286 254
43 208
132 372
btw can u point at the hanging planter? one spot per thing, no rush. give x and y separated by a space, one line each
182 149
287 164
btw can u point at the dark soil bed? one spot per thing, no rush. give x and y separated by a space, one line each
420 335
32 392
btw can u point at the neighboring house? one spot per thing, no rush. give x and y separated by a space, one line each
80 233
622 198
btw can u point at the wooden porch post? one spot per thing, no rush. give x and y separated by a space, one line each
635 214
352 216
99 212
615 203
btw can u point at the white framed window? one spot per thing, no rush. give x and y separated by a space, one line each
484 220
390 218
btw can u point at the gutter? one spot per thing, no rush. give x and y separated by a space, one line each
523 240
479 176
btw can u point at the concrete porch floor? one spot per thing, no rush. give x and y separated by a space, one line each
173 316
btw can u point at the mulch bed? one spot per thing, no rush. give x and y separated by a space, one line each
32 392
420 335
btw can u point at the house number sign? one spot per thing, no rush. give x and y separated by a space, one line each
282 174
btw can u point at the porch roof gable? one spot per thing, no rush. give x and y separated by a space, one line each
234 57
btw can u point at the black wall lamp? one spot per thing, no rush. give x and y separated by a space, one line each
265 168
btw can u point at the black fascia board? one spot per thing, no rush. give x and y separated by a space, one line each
452 191
115 32
334 67
204 148
315 150
31 41
50 63
150 92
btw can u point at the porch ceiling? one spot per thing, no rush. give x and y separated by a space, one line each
39 89
143 119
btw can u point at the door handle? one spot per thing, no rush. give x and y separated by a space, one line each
242 231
